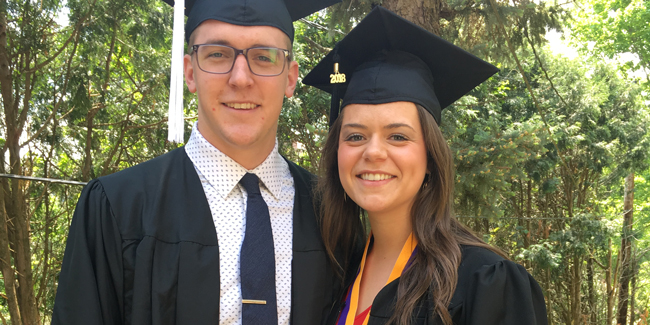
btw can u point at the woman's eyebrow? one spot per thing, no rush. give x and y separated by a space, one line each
398 125
355 125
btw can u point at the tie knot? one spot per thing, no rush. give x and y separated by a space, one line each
251 183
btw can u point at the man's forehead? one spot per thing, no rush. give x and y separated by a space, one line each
218 32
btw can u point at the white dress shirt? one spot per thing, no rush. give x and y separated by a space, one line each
220 177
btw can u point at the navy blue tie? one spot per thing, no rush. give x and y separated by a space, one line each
257 266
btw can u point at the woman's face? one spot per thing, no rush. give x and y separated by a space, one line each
382 157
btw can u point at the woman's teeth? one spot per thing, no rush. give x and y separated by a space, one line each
375 177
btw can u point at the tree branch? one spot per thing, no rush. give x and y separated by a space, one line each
541 65
58 103
523 75
75 31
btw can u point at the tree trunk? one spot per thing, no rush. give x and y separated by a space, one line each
590 289
87 164
611 287
424 13
6 89
16 221
635 271
17 212
626 251
576 281
7 270
529 212
548 298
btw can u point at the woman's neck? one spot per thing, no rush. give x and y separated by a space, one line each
389 234
390 231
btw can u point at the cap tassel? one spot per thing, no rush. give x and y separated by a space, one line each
175 120
335 79
334 107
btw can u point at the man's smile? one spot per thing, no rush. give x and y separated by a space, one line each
241 105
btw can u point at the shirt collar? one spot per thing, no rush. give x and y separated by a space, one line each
223 173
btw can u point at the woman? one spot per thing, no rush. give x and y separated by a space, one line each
386 158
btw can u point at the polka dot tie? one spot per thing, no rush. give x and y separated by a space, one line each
257 265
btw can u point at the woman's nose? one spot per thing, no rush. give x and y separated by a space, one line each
375 149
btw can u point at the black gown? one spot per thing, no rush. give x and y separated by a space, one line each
143 249
490 291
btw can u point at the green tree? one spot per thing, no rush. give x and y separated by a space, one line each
547 189
607 28
79 101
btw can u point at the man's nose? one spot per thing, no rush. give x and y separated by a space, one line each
240 75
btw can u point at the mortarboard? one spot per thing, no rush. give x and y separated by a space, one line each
386 58
275 13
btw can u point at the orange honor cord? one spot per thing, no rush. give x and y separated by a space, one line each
349 312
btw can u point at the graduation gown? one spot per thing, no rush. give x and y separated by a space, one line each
490 291
143 249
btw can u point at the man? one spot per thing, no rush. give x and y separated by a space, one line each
222 231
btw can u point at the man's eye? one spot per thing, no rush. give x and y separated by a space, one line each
265 59
264 55
217 55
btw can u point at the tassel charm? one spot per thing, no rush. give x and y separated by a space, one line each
337 77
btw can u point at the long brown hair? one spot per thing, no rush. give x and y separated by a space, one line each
434 270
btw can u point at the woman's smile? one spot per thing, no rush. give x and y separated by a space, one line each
375 177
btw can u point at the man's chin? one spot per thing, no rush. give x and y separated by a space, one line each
249 141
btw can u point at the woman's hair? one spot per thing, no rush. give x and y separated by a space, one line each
434 270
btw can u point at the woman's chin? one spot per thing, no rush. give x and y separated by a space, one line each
377 206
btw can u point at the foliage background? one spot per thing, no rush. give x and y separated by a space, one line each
552 168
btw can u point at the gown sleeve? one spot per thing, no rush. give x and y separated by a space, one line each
90 282
504 293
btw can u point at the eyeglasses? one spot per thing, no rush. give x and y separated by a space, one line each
262 61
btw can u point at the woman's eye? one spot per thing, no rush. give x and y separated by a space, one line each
354 137
398 137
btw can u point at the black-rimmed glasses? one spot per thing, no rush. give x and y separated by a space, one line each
262 61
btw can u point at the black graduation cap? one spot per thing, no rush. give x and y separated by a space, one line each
276 13
386 58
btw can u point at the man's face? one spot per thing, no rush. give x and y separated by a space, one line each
239 111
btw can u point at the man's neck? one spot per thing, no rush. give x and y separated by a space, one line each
249 157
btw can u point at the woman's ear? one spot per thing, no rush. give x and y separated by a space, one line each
427 177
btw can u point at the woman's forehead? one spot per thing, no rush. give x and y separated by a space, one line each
387 114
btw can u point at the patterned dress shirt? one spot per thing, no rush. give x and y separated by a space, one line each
220 175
